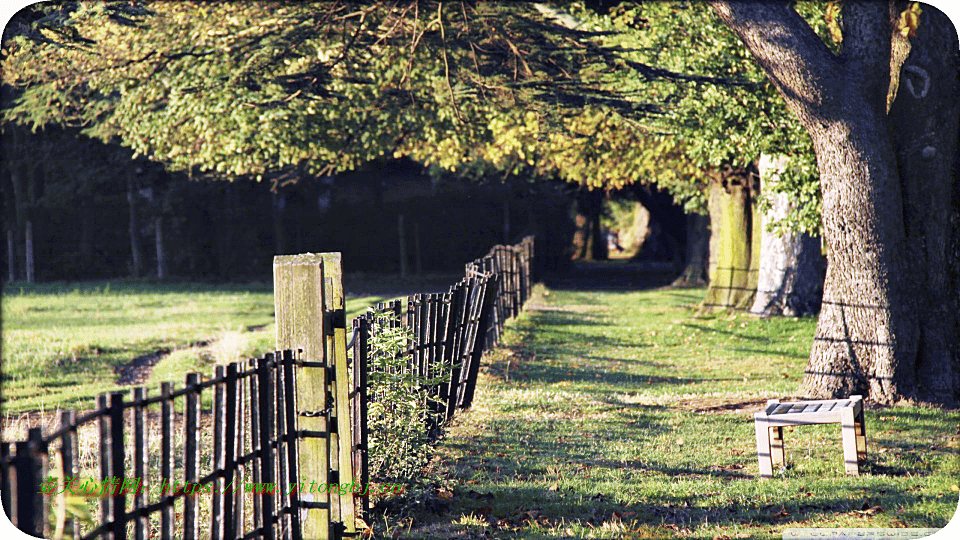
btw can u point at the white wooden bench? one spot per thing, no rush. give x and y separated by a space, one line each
848 413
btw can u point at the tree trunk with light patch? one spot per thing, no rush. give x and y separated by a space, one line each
791 267
888 324
734 241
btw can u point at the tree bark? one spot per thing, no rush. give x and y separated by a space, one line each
588 241
924 123
694 273
871 335
734 242
791 265
28 250
11 260
133 228
158 242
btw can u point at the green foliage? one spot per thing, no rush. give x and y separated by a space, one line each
653 92
399 408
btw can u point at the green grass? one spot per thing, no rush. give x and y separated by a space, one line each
623 415
605 414
62 343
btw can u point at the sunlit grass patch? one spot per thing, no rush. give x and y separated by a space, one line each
624 415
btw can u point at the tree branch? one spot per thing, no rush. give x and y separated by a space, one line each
789 51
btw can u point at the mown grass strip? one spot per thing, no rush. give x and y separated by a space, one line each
623 415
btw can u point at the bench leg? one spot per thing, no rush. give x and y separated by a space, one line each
848 432
764 453
776 446
861 431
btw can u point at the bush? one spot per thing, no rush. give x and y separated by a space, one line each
400 411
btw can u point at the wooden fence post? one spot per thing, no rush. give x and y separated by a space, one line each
311 316
298 289
341 454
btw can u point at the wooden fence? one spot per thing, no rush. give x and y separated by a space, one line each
220 469
252 431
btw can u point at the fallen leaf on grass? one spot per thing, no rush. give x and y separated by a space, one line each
868 511
554 486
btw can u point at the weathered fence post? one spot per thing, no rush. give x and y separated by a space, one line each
299 305
335 327
311 316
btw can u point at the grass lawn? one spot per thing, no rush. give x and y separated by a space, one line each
612 414
65 343
605 414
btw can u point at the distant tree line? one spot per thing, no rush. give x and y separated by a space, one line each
77 209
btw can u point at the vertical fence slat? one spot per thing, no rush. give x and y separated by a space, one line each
291 457
216 509
106 503
257 463
117 466
283 475
5 490
29 465
231 441
166 460
361 452
243 449
140 447
191 426
265 390
68 457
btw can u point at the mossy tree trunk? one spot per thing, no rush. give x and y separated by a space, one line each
734 240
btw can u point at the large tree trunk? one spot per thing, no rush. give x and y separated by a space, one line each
734 241
791 264
588 241
694 273
872 335
924 123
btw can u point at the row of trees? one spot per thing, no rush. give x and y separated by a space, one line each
78 209
858 100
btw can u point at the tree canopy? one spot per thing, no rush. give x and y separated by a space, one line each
647 92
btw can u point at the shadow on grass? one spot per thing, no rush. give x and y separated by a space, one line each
559 317
537 507
772 352
546 374
727 332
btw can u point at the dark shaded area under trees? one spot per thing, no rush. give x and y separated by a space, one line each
77 195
